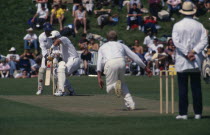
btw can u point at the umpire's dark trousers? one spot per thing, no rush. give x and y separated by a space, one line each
195 82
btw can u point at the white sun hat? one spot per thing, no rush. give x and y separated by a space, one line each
12 49
54 34
188 8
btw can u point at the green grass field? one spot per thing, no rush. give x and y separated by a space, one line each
23 118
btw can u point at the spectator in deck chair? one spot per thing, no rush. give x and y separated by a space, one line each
80 19
57 14
150 24
134 15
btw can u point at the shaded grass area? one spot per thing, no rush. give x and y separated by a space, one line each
22 119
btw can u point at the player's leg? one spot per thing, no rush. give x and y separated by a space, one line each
40 80
61 78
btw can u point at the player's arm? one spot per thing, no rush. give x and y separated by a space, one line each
136 59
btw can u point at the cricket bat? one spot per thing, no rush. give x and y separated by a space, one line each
48 73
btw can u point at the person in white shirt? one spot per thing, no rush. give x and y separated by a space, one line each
40 17
45 44
13 59
149 38
174 6
40 3
70 62
190 38
31 39
80 19
112 56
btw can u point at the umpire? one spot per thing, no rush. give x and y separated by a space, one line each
190 39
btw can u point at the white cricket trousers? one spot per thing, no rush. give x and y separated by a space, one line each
115 70
67 69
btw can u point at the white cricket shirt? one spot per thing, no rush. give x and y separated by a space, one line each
112 50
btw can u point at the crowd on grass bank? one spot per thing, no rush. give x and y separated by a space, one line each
157 53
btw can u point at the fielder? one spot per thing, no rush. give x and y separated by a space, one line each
113 55
70 62
45 44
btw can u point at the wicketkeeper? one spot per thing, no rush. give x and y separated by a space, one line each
112 54
70 62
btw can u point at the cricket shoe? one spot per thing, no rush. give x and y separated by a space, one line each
118 88
197 116
59 93
181 117
39 92
131 108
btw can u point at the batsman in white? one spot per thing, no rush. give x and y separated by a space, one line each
70 62
113 55
45 44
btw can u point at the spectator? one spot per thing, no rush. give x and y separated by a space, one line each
40 17
149 38
86 57
207 5
76 4
130 4
93 46
4 68
154 46
57 14
134 16
173 6
82 40
25 64
88 4
150 24
31 39
80 19
13 59
40 3
170 51
22 74
103 16
28 54
137 48
160 59
155 7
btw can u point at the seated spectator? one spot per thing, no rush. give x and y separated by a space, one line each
149 38
130 4
137 48
40 3
82 40
86 56
88 4
134 17
155 7
80 19
31 39
207 5
76 4
25 64
160 59
40 17
4 68
173 6
150 24
28 54
201 9
170 51
22 74
13 59
92 45
57 15
154 46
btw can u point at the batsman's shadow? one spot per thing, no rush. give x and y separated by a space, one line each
136 109
81 95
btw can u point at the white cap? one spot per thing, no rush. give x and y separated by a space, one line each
54 34
12 49
160 46
30 29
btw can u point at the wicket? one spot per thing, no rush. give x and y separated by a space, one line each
167 72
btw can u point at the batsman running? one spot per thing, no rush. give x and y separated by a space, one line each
70 62
113 55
